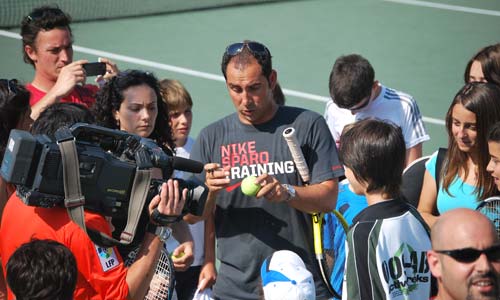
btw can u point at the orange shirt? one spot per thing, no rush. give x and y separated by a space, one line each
101 273
80 94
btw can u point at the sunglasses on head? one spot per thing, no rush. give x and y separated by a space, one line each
43 13
468 255
131 73
257 49
11 85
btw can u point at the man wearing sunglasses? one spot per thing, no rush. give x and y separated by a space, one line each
250 142
357 95
48 47
465 256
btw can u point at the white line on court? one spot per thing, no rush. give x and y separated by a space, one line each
190 72
448 7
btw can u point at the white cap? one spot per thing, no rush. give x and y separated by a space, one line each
285 277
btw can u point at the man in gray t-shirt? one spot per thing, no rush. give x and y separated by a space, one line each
250 142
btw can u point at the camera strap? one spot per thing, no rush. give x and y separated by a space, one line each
138 197
74 199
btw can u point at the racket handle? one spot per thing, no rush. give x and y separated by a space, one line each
298 157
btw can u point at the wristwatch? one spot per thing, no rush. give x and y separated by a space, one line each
162 232
291 192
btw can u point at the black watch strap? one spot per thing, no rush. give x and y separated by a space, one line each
162 219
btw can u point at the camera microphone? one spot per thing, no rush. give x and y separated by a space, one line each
187 165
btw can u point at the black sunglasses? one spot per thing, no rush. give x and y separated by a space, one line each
361 105
468 255
11 85
257 49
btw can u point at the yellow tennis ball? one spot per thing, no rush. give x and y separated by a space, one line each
178 256
249 187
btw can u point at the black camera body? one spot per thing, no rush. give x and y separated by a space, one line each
108 160
94 68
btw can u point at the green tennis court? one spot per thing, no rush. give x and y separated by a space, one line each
419 47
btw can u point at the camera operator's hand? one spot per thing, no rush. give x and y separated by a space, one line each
170 201
216 178
183 256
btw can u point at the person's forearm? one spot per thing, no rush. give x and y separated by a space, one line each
428 199
208 273
209 239
209 205
49 99
139 274
413 153
429 218
180 232
321 197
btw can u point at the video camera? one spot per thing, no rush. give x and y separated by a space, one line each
108 160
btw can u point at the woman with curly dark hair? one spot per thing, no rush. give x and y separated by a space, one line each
131 101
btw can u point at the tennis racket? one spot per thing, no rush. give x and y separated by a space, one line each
162 284
490 207
323 235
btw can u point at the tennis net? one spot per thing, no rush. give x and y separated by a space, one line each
12 11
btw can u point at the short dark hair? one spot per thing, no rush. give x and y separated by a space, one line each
110 97
42 18
494 134
351 80
59 115
42 270
243 57
375 152
489 58
14 101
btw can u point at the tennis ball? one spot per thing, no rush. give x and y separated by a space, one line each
249 187
178 256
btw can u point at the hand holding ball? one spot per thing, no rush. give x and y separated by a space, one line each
249 187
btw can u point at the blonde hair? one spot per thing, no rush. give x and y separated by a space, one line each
174 94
